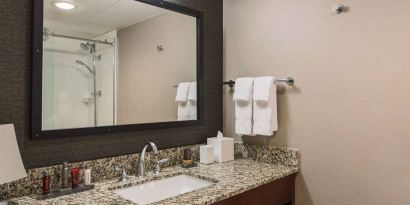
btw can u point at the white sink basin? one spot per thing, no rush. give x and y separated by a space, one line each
158 190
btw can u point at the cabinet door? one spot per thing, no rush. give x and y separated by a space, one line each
279 192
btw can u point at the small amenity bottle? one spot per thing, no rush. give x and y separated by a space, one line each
87 176
65 175
75 177
46 183
187 157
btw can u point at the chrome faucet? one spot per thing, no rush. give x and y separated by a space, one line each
141 161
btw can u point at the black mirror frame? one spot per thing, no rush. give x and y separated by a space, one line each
37 60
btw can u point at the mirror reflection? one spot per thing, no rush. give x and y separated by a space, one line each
115 62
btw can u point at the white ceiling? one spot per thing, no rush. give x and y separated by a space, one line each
93 18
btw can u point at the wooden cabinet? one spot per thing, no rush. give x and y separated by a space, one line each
279 192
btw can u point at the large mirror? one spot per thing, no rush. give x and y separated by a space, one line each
112 63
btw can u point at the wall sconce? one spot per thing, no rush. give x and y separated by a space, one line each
12 167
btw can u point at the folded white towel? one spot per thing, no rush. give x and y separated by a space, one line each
262 88
181 98
243 89
192 91
182 92
183 111
243 106
186 98
243 121
192 110
265 120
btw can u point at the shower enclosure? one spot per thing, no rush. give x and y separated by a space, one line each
79 80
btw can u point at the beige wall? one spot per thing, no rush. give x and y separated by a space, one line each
349 113
146 77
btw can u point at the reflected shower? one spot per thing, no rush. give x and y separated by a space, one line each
92 48
88 47
84 65
83 62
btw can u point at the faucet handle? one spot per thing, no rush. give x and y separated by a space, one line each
124 175
159 164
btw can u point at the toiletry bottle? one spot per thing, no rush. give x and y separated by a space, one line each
187 158
65 175
75 177
46 183
87 176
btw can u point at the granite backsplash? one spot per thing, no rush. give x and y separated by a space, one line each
102 169
268 154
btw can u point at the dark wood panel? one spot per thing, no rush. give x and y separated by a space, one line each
279 192
15 94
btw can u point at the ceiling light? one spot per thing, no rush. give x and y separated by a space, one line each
65 5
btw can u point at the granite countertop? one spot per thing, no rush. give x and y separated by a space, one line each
230 178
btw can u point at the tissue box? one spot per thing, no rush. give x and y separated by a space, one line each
223 148
206 154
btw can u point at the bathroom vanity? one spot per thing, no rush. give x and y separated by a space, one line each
258 175
242 181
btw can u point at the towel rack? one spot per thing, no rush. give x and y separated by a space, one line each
289 80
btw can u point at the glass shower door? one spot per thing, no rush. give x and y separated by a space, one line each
78 83
105 76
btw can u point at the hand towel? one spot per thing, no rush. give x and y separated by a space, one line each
262 88
265 120
192 91
182 92
181 98
192 110
243 106
183 111
243 89
192 98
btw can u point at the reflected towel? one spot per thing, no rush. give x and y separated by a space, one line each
192 97
183 111
192 91
182 92
181 98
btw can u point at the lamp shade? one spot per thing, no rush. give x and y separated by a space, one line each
11 165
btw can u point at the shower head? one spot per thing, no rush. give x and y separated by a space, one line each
88 47
84 65
85 46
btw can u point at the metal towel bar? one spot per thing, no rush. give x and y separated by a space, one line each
289 80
